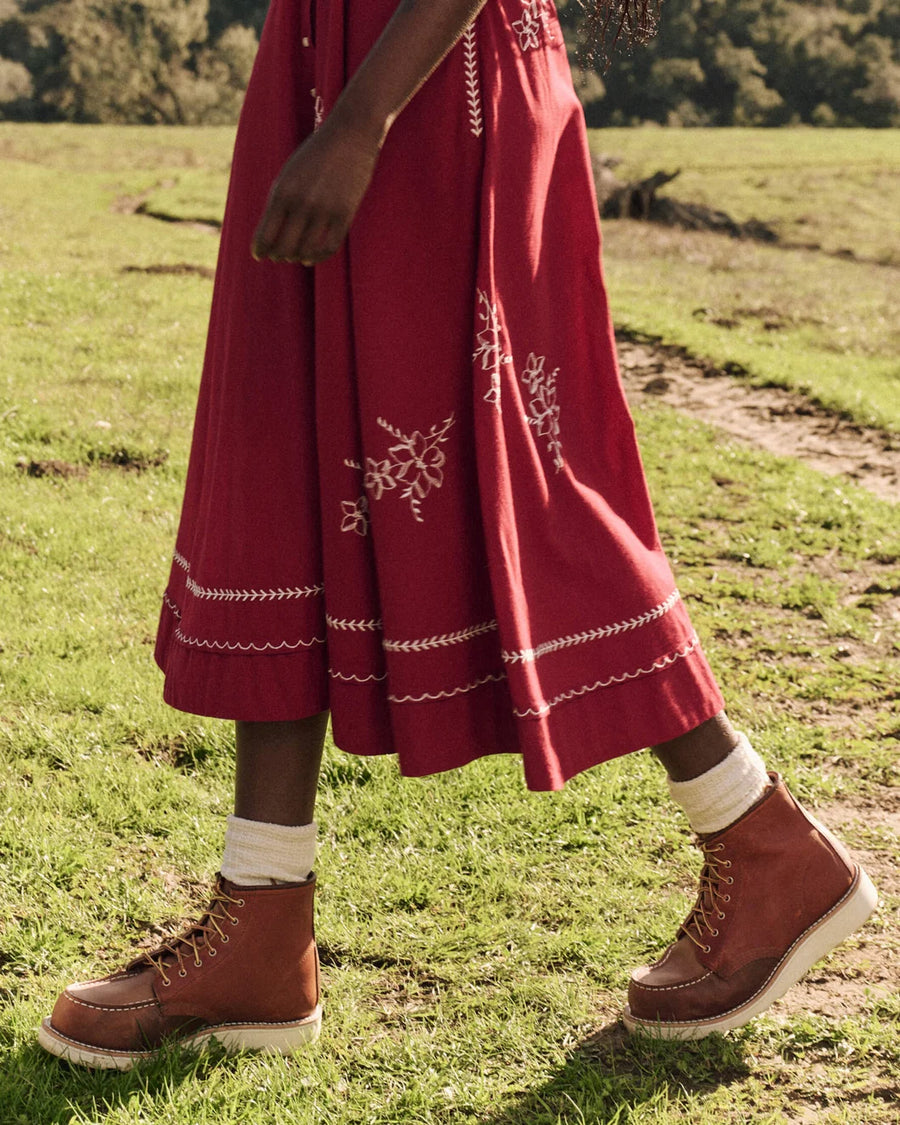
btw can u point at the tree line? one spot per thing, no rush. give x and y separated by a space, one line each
713 62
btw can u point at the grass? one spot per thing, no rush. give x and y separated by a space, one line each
811 319
474 962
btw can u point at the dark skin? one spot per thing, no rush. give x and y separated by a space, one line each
308 214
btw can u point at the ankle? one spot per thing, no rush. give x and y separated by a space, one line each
260 854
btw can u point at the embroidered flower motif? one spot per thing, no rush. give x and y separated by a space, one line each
417 461
356 515
489 349
534 24
378 479
543 409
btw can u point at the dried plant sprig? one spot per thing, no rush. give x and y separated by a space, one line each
609 24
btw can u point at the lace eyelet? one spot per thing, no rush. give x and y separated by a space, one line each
715 933
198 964
721 916
235 921
726 863
225 939
240 902
707 949
167 984
726 898
182 972
211 952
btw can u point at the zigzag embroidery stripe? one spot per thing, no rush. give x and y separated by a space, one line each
442 640
427 697
529 655
564 697
473 87
345 623
219 594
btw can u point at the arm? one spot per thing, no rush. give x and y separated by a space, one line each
317 193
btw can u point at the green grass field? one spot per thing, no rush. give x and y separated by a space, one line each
475 962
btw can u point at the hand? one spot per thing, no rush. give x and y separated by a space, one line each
316 195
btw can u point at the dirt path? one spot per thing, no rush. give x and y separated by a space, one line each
776 420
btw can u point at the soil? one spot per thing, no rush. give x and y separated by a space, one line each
770 418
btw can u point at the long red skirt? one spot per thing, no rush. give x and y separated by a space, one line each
414 495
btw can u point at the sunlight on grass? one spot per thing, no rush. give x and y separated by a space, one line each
474 961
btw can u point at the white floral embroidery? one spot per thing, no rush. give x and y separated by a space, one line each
489 349
356 515
416 461
534 24
378 478
543 407
473 84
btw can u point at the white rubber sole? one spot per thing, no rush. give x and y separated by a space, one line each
847 915
273 1038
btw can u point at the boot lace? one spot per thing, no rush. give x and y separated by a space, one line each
700 924
174 953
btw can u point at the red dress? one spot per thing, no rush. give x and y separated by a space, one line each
414 495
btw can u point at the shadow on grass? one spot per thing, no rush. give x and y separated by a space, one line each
606 1080
611 1075
37 1088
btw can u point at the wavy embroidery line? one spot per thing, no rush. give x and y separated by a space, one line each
347 624
489 349
473 84
427 697
441 640
236 646
350 678
529 655
171 606
566 696
543 409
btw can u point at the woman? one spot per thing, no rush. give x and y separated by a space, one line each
415 502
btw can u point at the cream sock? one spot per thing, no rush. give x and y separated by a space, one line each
257 853
720 796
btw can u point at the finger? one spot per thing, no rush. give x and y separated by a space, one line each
269 228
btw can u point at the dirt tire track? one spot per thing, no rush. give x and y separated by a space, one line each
776 420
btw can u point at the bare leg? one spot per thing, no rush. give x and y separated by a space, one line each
691 754
278 770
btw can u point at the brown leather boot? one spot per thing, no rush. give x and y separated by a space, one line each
777 892
247 974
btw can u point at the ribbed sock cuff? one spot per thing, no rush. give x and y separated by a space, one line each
257 853
717 798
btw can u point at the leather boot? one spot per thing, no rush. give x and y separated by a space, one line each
777 892
247 974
